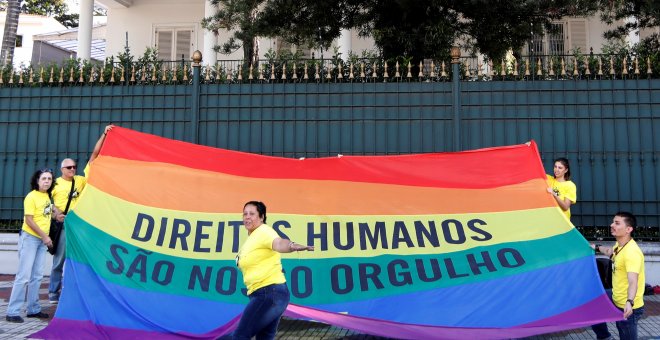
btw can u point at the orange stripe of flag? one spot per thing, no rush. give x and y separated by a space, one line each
175 187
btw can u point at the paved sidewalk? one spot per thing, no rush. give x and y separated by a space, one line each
649 326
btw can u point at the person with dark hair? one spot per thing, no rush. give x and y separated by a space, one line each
260 262
32 244
628 277
66 190
561 187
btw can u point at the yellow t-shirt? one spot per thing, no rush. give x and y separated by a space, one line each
629 259
260 264
566 189
37 204
62 189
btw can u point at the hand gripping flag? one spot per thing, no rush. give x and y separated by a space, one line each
444 245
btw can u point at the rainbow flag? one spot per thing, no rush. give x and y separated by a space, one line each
445 245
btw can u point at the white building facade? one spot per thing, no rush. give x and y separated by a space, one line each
29 25
173 27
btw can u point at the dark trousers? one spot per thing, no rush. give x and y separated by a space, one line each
627 328
262 314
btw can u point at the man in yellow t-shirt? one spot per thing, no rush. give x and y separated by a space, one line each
628 277
65 194
69 185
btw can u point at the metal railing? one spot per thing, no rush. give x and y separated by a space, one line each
527 68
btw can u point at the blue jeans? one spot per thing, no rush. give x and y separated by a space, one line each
627 328
262 314
58 267
31 256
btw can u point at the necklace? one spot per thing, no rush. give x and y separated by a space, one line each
617 250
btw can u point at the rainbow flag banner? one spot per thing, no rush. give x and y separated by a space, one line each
445 245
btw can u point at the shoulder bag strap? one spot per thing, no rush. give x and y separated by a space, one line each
68 203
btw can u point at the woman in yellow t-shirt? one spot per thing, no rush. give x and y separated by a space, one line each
33 241
259 261
561 187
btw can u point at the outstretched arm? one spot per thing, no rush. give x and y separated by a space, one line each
99 143
602 249
281 245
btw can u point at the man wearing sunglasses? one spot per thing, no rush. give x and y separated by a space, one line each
66 192
627 277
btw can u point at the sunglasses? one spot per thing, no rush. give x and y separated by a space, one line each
70 167
46 170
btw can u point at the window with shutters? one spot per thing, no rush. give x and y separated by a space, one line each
577 35
556 40
552 43
174 43
535 47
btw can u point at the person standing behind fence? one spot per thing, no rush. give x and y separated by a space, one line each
561 187
259 261
66 191
32 244
628 279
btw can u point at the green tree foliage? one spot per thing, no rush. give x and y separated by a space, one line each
238 16
409 28
309 23
644 14
51 8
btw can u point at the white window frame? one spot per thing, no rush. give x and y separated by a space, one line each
545 41
570 35
563 39
174 28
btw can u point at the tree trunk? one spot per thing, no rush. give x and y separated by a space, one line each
248 54
9 37
255 50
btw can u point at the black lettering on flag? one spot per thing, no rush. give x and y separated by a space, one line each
200 235
347 272
169 271
196 276
486 263
515 255
304 274
430 234
222 281
457 227
120 263
472 226
337 235
398 279
138 227
401 235
369 272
